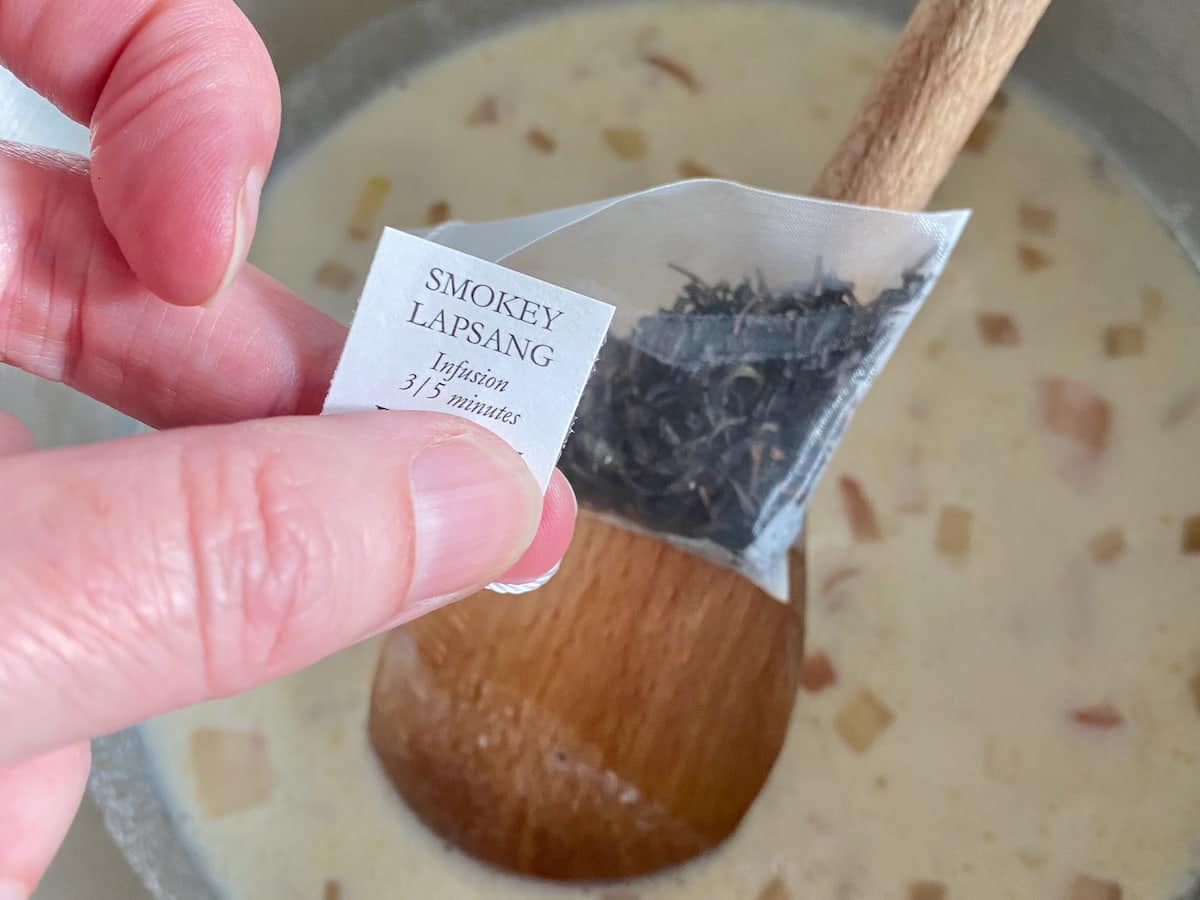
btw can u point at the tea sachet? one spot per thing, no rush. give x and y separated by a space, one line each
749 325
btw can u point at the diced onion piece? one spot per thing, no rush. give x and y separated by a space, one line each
437 213
1031 258
691 169
817 673
486 112
627 143
1037 219
1124 340
1107 545
1190 544
232 770
954 532
674 69
540 141
775 889
862 720
370 204
1103 716
336 276
927 890
860 513
1076 412
998 330
1085 887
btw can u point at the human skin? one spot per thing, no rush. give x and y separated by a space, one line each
248 537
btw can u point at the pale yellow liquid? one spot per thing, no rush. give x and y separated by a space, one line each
983 781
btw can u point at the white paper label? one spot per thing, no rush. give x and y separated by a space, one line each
442 331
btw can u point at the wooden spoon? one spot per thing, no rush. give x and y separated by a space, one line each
624 718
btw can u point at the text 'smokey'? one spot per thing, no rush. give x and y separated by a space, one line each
441 331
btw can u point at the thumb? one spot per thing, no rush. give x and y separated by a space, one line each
150 573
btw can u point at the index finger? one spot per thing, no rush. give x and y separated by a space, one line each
183 105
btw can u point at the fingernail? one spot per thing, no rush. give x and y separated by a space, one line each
245 215
536 566
12 890
475 512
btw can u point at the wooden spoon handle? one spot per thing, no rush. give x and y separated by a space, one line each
947 67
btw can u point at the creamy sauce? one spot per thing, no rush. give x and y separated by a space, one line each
1042 665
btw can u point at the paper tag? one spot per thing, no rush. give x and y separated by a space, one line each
442 331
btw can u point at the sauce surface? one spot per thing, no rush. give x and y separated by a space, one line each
1004 690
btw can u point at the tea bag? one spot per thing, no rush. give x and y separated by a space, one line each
749 325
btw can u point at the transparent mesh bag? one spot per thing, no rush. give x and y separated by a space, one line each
749 326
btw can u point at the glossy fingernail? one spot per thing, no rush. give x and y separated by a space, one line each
542 560
475 511
245 216
12 890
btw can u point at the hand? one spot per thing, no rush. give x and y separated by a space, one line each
149 573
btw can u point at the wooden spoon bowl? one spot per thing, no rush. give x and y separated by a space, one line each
511 724
623 718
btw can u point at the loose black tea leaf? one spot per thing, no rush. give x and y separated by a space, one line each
693 424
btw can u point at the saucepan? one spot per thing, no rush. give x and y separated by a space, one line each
1127 71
